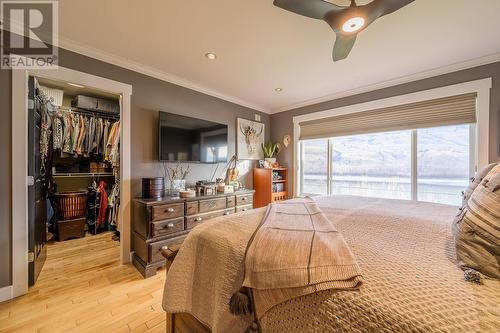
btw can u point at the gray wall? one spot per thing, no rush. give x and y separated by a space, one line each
282 123
149 95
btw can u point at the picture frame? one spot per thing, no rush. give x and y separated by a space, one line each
249 139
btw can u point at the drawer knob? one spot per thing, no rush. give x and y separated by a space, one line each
245 209
244 199
227 213
170 225
198 219
170 210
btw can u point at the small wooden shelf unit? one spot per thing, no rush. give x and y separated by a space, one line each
264 184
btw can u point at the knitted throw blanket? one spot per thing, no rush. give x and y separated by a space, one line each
295 251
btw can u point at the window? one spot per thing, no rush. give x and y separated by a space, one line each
380 164
372 165
444 166
315 167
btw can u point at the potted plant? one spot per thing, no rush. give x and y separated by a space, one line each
271 150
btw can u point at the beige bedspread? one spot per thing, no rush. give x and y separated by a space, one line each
404 248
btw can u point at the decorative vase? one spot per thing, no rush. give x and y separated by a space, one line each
178 184
271 160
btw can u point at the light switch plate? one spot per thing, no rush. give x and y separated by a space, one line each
257 117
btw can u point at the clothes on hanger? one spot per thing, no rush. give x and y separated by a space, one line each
112 147
103 203
67 131
57 128
114 204
81 135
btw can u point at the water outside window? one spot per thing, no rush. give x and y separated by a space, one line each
315 167
373 165
443 163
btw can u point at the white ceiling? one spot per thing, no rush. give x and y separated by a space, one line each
260 47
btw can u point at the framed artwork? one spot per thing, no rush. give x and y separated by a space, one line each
249 139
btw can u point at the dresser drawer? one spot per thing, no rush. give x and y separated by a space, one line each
167 227
165 212
246 199
243 208
211 205
192 208
192 221
231 201
155 248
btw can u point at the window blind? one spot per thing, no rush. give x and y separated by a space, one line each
454 110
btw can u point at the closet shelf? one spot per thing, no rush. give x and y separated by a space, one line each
85 175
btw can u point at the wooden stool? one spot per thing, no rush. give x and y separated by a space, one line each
169 252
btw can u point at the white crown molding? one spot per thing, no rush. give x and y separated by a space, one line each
391 83
73 46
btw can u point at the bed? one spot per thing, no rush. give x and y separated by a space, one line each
404 248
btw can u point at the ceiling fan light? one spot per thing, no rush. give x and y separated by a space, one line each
353 24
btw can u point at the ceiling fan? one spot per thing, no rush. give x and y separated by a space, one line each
347 21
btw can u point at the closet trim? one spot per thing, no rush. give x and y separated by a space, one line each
19 277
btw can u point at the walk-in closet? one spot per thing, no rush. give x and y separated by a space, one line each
73 165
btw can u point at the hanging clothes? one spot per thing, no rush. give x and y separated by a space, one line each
92 208
81 137
89 137
109 142
45 131
97 136
114 204
103 203
102 148
67 130
76 132
113 146
57 128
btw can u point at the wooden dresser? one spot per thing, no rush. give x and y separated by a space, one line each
166 222
270 185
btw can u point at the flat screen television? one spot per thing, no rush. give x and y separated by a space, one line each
186 139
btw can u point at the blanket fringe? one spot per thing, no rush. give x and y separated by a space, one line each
239 304
473 276
254 328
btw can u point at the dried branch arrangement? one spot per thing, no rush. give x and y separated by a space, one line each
179 172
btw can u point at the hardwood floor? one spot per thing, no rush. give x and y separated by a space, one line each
83 288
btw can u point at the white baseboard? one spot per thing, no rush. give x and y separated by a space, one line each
5 293
131 255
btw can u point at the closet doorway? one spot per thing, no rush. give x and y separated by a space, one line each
72 131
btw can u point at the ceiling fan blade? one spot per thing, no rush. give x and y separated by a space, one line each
343 46
316 9
380 8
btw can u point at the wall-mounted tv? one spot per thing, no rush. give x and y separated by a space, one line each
186 139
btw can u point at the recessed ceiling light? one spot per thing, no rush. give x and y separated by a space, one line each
75 85
353 24
278 89
210 56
